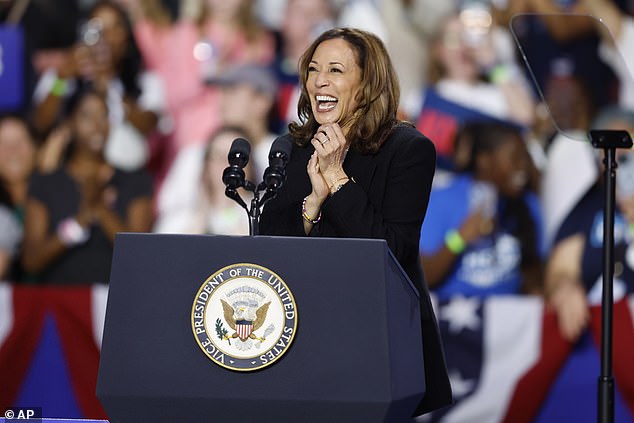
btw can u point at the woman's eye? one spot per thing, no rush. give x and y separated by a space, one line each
312 69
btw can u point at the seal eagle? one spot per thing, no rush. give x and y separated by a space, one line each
241 321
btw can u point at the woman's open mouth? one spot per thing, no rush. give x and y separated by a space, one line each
325 103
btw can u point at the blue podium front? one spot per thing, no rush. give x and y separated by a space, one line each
348 346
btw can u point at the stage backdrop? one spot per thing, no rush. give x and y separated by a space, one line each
506 358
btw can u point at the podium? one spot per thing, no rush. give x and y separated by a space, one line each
356 354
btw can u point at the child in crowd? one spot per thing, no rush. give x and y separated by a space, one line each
482 234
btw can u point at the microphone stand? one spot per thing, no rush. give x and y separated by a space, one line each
609 141
254 210
254 214
257 202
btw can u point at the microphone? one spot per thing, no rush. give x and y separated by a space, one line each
280 152
233 176
275 174
239 153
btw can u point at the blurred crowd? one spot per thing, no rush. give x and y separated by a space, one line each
125 111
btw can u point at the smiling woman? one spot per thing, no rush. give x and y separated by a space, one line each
356 171
333 75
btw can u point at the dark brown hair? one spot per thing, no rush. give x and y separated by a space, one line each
378 98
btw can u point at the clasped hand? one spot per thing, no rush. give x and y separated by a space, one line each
95 194
325 166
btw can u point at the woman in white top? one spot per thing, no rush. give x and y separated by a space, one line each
195 200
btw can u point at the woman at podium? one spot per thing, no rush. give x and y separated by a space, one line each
357 171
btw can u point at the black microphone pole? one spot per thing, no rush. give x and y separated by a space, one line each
608 141
254 214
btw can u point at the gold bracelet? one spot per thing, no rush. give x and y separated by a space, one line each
305 215
338 187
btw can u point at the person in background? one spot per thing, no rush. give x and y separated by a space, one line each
569 168
189 52
248 98
18 153
209 210
574 271
10 235
473 68
74 212
107 58
410 25
617 44
45 29
357 171
483 232
247 94
546 30
17 162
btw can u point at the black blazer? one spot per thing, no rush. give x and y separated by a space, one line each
386 199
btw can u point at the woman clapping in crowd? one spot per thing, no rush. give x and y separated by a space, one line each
74 212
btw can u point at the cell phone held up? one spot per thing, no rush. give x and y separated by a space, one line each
483 197
95 57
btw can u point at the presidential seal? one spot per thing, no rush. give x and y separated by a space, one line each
244 317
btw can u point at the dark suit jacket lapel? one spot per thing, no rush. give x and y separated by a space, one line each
361 168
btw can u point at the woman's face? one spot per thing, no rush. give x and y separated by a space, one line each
90 124
508 166
454 55
333 82
243 104
114 30
17 151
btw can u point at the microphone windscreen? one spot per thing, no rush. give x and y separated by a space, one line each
281 148
239 152
240 145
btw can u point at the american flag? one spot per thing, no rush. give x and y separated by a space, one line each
508 362
50 339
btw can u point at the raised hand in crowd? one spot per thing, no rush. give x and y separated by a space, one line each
106 58
564 287
51 153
